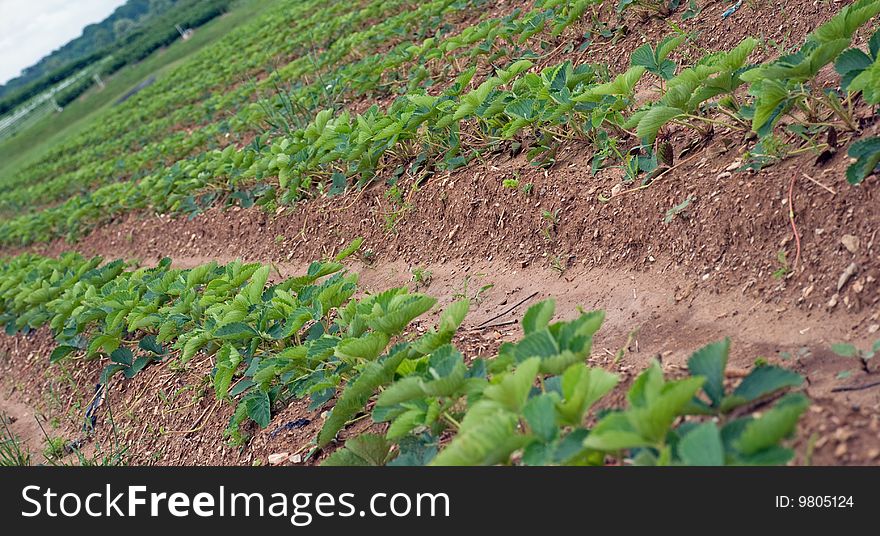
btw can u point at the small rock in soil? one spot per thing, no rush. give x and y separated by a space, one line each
279 458
833 301
846 275
850 242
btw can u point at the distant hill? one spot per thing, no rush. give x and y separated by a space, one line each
132 32
95 38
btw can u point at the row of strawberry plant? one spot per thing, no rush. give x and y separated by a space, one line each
358 77
309 336
561 100
98 204
103 154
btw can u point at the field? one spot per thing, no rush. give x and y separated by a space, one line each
471 232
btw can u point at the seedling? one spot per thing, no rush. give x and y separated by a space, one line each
13 452
784 268
421 277
864 356
54 448
677 209
477 296
399 208
557 264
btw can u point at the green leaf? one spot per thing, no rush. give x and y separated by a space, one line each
772 98
259 408
654 119
581 388
844 349
344 458
357 393
536 344
622 85
538 316
647 385
643 56
487 437
242 386
123 356
149 344
235 331
766 380
349 249
710 362
850 64
513 388
404 423
401 311
372 448
452 317
228 360
403 390
667 45
702 446
61 352
867 154
254 289
522 108
613 433
653 421
540 413
139 364
367 347
517 67
773 426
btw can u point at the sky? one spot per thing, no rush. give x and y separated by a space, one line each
30 29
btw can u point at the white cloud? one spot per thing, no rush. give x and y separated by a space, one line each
30 29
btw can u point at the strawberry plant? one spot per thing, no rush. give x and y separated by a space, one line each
866 153
783 85
687 97
655 59
860 71
531 405
662 8
864 356
307 336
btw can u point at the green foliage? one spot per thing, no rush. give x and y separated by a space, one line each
859 71
785 83
866 153
655 59
363 450
308 337
524 414
864 356
330 149
13 451
690 94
